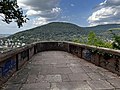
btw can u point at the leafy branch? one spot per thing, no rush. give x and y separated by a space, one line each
11 11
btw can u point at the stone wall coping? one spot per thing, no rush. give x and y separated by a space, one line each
6 55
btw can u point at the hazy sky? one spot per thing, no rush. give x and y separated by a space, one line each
80 12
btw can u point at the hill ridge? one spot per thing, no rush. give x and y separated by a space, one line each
62 31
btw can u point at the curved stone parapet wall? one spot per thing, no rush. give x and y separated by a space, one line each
13 60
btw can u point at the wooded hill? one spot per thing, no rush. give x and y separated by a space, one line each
60 31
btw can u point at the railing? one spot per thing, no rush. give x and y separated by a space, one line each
13 60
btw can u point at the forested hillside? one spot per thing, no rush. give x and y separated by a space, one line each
60 31
52 31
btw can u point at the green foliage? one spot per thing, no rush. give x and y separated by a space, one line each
11 10
116 43
116 39
97 41
92 39
76 40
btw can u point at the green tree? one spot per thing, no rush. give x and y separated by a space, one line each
11 11
92 39
98 41
116 39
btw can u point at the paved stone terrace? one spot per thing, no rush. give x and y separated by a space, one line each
57 70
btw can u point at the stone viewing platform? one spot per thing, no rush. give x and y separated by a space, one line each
60 66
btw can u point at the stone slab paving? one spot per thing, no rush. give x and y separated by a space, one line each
57 70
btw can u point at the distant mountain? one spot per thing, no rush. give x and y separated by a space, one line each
100 29
60 31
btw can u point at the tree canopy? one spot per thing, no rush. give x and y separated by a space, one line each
9 11
116 38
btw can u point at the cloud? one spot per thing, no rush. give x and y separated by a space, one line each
40 4
42 11
107 12
13 28
40 21
33 12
